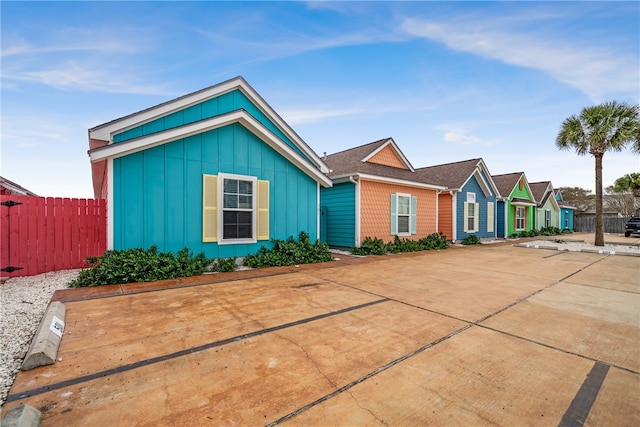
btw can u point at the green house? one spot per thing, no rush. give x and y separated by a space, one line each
516 207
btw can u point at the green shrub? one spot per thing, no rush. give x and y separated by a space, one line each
375 246
139 265
434 241
471 240
290 252
222 265
370 246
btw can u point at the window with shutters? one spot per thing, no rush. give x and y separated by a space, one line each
403 214
235 209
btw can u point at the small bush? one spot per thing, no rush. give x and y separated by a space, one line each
222 265
139 265
290 252
471 240
376 246
370 246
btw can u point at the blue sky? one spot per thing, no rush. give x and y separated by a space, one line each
448 81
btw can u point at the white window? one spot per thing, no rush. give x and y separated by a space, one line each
520 218
547 218
403 214
235 209
566 219
471 214
238 207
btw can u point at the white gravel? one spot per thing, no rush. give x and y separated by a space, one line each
577 246
23 301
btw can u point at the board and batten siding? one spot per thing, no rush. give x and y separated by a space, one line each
225 103
472 186
158 192
530 215
340 203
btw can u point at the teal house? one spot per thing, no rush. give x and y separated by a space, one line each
566 211
217 171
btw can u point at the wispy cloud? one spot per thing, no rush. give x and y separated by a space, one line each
594 67
79 59
77 76
297 117
457 134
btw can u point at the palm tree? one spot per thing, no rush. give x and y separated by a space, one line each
630 182
606 127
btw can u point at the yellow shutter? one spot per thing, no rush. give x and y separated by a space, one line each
209 208
465 218
490 217
262 229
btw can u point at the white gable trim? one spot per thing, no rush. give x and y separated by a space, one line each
240 116
392 181
106 131
526 183
395 148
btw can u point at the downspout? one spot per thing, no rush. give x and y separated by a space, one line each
318 211
357 213
454 216
438 192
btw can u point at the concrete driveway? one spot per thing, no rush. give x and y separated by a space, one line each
483 335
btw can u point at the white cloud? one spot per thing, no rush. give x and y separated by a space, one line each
80 76
596 69
458 135
296 117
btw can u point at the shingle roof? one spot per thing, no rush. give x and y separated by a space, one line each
506 182
349 162
451 175
539 189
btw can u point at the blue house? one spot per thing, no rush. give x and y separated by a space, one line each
566 212
468 206
217 171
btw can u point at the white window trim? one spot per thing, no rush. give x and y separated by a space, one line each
408 196
547 218
524 218
471 201
254 209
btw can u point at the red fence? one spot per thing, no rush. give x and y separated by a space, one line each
40 234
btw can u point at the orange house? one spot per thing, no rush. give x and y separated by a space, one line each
376 193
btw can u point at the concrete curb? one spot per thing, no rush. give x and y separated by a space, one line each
22 416
529 245
44 347
608 252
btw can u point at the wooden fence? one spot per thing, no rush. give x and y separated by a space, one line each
39 234
587 224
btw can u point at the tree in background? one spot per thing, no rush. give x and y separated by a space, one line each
609 126
580 198
620 202
630 183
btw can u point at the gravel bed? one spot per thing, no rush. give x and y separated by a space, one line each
23 301
577 246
